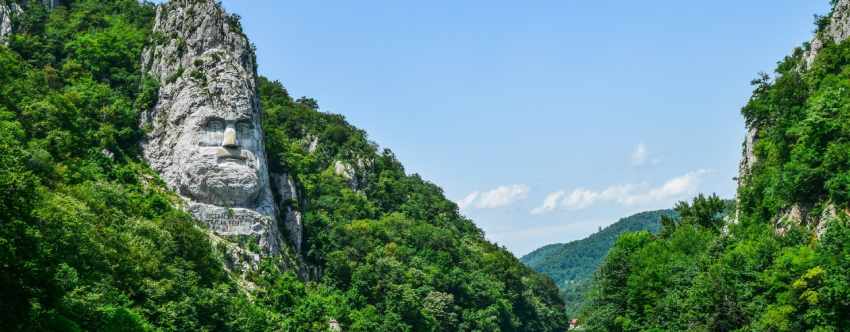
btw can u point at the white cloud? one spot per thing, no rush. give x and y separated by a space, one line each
496 198
640 156
502 196
626 194
466 201
582 198
673 188
550 203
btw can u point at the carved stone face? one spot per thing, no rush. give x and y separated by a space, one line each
218 154
203 134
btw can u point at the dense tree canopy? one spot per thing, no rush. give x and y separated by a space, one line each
571 265
398 250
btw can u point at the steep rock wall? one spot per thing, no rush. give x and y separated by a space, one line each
7 10
836 31
204 133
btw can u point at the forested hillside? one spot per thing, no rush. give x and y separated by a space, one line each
397 251
91 239
783 264
571 265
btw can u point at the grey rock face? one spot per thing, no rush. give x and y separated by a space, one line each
6 13
837 31
354 174
800 215
748 158
288 194
204 134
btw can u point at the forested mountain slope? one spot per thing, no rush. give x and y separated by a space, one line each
571 265
783 262
92 239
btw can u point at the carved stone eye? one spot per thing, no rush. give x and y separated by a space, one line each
215 125
245 134
213 133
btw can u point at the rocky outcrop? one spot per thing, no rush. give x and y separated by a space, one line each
7 10
798 214
836 31
748 158
287 195
355 174
204 133
828 214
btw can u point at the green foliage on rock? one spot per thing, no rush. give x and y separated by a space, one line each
392 250
89 239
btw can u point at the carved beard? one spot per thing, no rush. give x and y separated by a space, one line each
211 179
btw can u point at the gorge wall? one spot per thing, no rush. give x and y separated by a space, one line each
834 29
204 134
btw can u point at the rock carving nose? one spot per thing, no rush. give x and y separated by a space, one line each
230 138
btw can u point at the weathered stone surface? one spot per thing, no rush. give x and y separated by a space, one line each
826 217
837 31
288 195
313 143
748 158
355 174
7 10
204 134
800 215
795 215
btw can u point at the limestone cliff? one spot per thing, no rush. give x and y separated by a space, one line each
835 30
7 10
204 133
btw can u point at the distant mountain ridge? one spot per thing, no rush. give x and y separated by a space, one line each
571 265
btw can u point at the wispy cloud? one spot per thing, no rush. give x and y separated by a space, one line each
550 203
673 188
496 198
625 194
640 155
582 198
466 201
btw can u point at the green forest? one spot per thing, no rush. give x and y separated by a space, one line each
753 267
571 265
91 239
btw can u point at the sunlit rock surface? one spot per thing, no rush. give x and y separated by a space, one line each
837 31
204 134
287 192
7 9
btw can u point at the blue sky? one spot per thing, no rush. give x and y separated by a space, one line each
546 119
